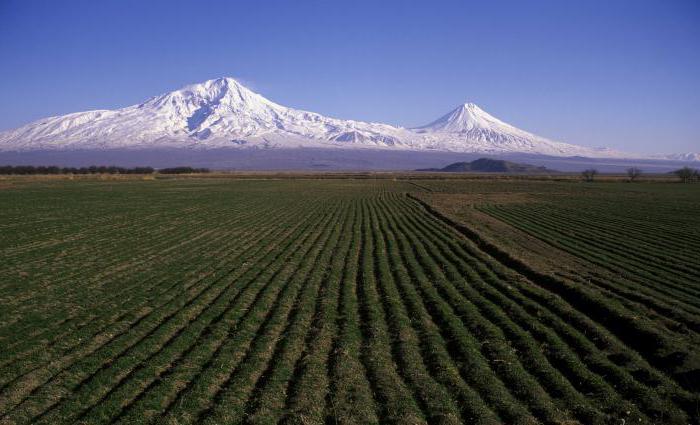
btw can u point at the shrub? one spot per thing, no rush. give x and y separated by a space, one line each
633 173
589 174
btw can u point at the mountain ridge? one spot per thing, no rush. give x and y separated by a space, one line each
224 113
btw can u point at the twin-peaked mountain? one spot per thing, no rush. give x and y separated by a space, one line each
223 113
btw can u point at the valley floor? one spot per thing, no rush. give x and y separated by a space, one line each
346 300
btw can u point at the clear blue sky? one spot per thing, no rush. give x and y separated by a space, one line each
624 74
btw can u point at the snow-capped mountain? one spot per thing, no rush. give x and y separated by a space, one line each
216 113
223 113
690 156
469 125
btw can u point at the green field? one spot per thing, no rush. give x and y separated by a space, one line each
349 300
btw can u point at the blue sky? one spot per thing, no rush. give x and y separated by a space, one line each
617 73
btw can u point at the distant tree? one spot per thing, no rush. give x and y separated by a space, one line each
687 174
589 174
633 173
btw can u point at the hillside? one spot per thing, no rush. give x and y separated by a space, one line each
488 165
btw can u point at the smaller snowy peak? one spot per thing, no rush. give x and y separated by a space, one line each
464 118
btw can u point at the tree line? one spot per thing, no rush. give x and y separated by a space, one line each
52 169
685 174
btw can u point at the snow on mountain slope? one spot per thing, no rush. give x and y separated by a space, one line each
216 113
470 125
467 118
223 113
690 156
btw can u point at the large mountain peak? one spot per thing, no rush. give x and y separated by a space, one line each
220 91
214 103
219 88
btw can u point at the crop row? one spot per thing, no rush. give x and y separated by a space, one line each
346 302
648 276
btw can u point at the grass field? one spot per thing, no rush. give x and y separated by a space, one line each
226 300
